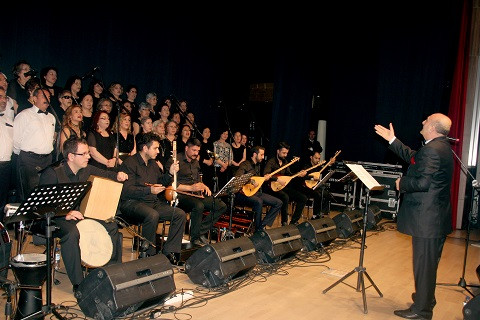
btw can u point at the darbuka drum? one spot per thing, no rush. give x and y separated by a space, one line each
95 243
30 270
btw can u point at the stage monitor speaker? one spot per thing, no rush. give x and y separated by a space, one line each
217 263
471 310
373 216
348 222
120 289
273 245
317 233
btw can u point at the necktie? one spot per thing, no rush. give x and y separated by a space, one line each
44 112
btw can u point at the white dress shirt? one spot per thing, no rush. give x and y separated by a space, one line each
33 132
6 136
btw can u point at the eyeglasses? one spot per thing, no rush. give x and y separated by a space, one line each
82 154
67 97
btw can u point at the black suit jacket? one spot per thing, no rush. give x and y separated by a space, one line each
426 211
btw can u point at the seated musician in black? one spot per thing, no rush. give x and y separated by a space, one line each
320 195
289 191
191 198
140 203
257 200
75 168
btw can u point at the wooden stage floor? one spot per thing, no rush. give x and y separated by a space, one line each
293 289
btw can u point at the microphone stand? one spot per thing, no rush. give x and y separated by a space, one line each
473 204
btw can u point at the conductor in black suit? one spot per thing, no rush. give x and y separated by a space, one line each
425 212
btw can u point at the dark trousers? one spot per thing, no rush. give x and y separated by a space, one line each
148 215
28 167
426 256
69 239
286 195
5 173
257 201
196 206
320 200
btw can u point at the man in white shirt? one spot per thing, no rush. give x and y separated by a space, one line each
6 147
33 139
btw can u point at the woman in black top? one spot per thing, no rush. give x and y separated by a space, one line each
102 143
126 140
238 150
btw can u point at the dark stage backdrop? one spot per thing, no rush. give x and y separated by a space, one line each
367 63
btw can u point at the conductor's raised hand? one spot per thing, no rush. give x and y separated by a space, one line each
387 134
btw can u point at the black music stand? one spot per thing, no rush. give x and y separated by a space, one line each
232 187
321 184
370 184
46 202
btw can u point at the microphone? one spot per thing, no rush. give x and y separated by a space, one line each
90 73
453 140
30 73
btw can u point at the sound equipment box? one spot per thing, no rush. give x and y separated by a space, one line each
117 290
387 200
273 245
217 263
317 233
348 222
344 192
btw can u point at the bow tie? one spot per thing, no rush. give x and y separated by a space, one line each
1 114
40 111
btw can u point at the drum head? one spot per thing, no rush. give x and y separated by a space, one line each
95 243
29 259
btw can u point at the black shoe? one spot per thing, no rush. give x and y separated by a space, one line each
293 223
174 258
197 243
434 301
284 224
408 314
204 239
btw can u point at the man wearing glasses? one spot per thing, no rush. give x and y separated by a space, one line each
75 168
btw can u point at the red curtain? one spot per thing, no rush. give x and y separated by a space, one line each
456 110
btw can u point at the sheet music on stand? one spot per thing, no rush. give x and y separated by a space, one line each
365 177
233 185
59 198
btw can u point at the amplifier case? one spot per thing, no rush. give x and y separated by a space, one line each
387 199
216 264
117 290
344 193
272 245
317 233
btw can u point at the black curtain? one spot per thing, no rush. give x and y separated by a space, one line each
367 63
